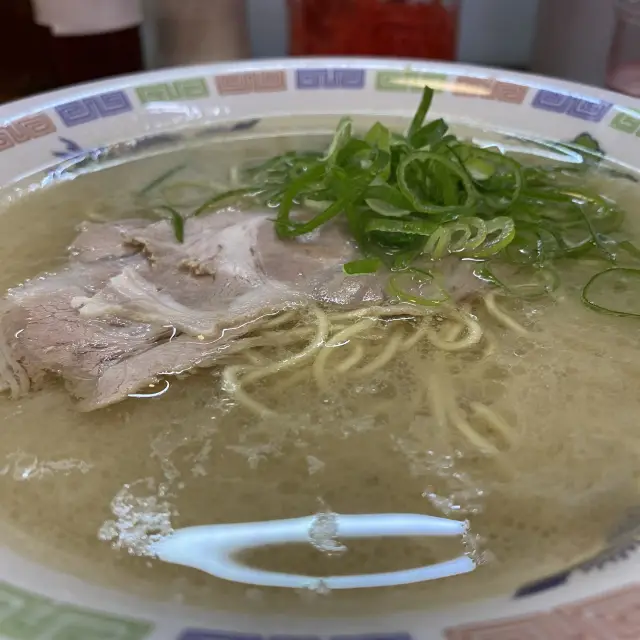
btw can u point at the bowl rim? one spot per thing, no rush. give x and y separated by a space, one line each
534 601
46 99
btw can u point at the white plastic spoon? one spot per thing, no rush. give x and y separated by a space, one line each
211 548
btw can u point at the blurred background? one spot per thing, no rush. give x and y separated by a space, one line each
53 43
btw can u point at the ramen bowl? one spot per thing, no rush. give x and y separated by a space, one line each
64 135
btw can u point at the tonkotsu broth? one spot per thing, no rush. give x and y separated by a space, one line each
84 492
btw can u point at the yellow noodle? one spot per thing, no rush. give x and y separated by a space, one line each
357 353
436 401
491 344
503 318
454 331
307 353
391 311
280 319
338 339
350 332
459 421
416 336
446 410
389 351
493 420
472 336
461 332
233 386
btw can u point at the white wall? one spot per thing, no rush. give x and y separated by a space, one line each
496 32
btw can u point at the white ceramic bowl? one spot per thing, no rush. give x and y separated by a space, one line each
71 129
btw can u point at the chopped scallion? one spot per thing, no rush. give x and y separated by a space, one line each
426 195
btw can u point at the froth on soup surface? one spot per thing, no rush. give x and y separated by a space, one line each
524 426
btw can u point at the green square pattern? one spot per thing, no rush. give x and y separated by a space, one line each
410 81
187 89
626 121
26 616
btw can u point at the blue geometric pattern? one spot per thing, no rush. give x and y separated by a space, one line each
589 110
86 110
203 634
330 78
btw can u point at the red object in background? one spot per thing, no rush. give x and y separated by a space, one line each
397 28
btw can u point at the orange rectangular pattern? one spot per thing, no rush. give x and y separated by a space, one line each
538 626
473 87
490 89
252 82
613 616
25 129
509 92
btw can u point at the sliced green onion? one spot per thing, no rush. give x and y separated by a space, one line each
408 286
402 259
588 147
621 282
471 241
362 267
177 221
607 246
387 201
429 135
340 139
465 235
379 136
494 170
283 222
163 177
421 112
428 195
385 208
438 243
537 281
576 240
316 205
287 228
480 169
233 194
410 227
630 248
420 203
292 229
503 230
